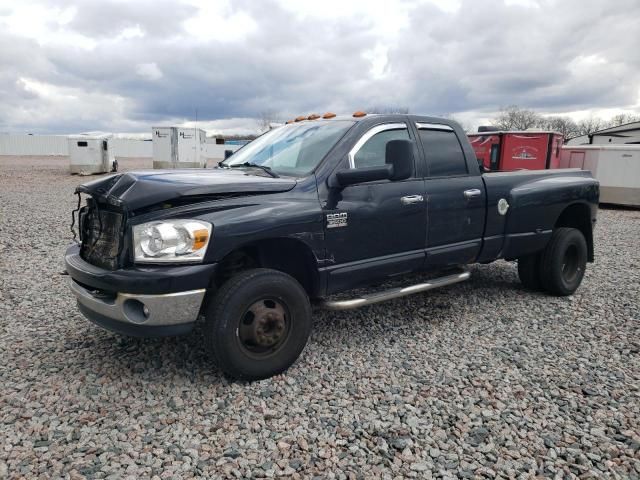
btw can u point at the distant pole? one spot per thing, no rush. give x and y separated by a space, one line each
195 138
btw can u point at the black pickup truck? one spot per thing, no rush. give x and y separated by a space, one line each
308 210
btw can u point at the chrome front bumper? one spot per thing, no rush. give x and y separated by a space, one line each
141 314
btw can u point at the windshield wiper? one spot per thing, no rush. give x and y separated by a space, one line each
264 168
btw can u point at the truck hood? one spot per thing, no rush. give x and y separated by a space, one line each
140 189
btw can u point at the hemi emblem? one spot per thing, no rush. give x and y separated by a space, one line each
335 220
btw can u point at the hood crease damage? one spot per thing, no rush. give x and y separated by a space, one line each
143 189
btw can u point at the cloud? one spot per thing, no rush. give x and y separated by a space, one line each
121 66
150 71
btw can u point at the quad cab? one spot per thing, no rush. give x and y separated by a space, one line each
308 210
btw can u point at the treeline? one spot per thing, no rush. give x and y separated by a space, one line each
516 118
511 117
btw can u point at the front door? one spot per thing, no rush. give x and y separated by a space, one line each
456 199
375 229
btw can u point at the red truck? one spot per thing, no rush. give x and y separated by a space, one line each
517 150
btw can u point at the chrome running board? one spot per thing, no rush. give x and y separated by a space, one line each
394 292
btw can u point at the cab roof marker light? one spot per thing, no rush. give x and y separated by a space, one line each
359 114
300 118
329 115
313 116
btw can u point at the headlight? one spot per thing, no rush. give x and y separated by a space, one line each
171 241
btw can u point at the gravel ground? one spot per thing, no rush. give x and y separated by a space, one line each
481 379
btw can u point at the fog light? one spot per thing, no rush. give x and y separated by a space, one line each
135 311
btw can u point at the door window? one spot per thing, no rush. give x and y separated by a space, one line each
371 153
444 153
495 148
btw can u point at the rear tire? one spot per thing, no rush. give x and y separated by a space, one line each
257 324
563 261
529 271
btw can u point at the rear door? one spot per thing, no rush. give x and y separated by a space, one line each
455 198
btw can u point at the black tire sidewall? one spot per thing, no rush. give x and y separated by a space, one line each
529 271
229 305
553 258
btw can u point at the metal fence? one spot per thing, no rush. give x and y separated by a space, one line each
33 145
53 145
127 147
46 145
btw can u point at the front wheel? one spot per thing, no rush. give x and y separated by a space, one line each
257 324
563 261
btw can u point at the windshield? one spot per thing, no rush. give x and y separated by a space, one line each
294 149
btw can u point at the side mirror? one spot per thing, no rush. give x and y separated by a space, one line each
352 176
398 166
399 154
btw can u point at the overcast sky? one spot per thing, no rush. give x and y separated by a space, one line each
123 66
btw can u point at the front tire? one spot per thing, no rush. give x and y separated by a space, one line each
563 261
258 324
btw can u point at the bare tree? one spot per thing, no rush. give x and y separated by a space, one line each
387 109
513 117
266 118
621 119
590 125
565 125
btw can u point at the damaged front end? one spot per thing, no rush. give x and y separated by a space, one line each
100 224
112 201
101 232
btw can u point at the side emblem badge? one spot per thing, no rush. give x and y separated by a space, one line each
503 206
335 220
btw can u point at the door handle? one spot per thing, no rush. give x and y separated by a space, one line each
474 192
411 199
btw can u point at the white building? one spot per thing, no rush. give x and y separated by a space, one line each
628 133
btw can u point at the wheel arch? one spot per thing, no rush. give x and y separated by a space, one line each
285 254
578 215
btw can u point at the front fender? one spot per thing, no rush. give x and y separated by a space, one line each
297 219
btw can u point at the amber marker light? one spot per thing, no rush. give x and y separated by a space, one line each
300 118
328 115
313 116
200 238
359 114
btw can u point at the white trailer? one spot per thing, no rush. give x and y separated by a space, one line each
90 154
617 168
176 147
